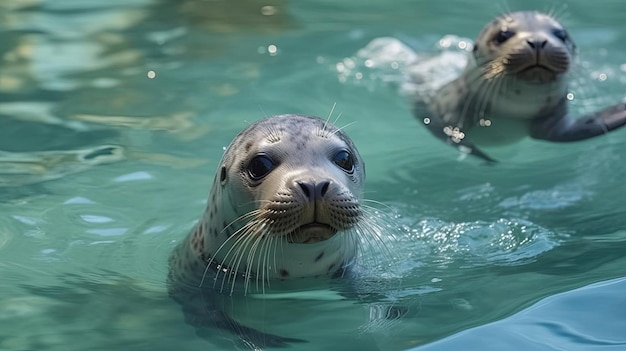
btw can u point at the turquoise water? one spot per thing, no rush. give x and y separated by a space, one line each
113 117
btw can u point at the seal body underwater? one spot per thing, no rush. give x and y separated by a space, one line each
514 85
285 203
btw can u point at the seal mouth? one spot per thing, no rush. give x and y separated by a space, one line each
537 74
311 233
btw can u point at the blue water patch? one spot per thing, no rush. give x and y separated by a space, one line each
589 318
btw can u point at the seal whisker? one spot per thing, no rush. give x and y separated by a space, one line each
492 88
240 252
250 262
240 218
323 132
338 116
230 265
345 126
330 114
272 132
373 234
276 242
375 230
493 68
559 13
503 8
482 93
263 111
470 102
262 262
378 203
266 263
240 247
256 235
239 236
212 257
356 242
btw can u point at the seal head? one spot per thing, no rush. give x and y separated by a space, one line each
531 46
290 183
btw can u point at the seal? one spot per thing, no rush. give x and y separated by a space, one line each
514 85
285 203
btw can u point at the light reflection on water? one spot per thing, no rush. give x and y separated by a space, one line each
113 118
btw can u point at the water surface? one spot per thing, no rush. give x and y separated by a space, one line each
114 115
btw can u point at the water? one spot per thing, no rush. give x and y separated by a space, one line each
114 115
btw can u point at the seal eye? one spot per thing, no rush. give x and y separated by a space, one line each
260 166
503 36
345 161
561 34
223 174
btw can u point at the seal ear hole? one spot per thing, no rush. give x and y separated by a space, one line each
223 174
503 35
345 161
260 166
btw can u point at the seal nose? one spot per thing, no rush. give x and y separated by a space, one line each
314 190
537 43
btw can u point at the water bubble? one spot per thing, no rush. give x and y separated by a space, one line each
272 49
268 10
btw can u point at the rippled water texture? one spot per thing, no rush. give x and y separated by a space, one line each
114 115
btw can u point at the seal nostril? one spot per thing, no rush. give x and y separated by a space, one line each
323 187
537 43
306 189
314 191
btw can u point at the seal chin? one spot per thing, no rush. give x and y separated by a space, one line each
537 74
311 233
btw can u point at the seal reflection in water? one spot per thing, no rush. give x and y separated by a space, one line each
514 85
285 203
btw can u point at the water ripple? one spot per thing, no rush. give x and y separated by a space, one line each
503 242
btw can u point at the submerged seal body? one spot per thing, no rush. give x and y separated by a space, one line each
514 85
285 203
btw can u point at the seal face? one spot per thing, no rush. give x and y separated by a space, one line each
532 47
285 203
514 85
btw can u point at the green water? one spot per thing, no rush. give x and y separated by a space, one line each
114 115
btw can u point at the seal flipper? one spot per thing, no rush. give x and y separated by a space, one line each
449 134
568 129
